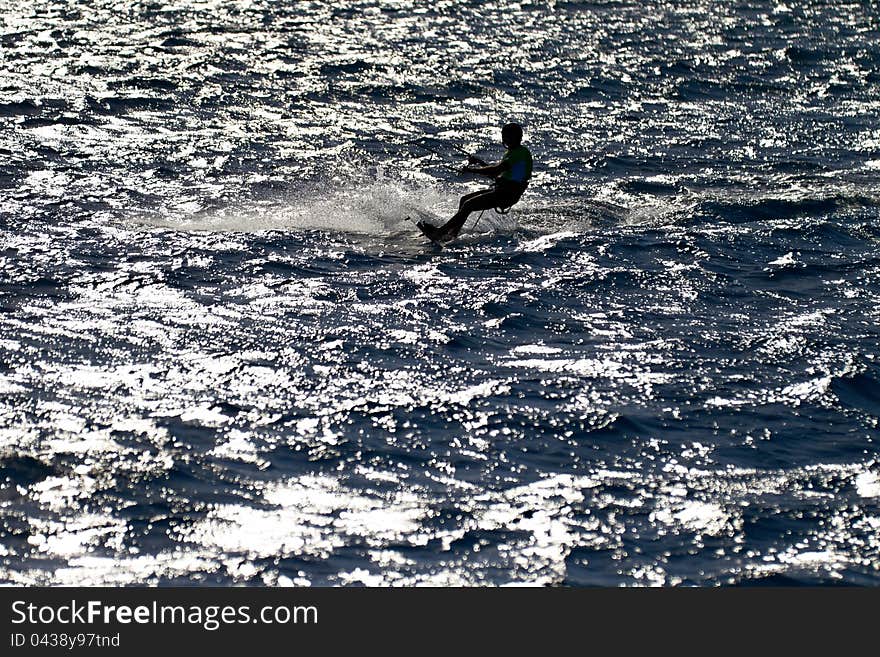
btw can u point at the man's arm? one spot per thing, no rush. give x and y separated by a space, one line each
489 170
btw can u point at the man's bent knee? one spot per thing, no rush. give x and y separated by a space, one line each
481 202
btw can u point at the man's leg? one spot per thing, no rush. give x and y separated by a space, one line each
467 197
437 231
482 200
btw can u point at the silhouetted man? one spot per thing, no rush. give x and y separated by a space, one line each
511 176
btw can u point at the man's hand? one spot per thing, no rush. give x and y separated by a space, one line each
473 168
488 170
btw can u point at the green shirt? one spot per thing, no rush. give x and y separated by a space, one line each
519 169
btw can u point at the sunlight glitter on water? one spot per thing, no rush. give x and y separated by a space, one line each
228 357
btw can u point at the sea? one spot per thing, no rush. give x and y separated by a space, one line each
229 358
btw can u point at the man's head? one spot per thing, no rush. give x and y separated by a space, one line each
511 135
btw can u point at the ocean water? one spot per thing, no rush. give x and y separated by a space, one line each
227 357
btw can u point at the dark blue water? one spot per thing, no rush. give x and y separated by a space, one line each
227 356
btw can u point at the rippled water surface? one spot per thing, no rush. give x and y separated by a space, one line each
228 357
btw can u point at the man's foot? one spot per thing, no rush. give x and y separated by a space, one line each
428 229
436 233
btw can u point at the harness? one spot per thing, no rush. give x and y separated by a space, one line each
520 191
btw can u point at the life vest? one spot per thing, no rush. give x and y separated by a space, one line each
519 169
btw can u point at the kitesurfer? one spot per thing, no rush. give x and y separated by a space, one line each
511 176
